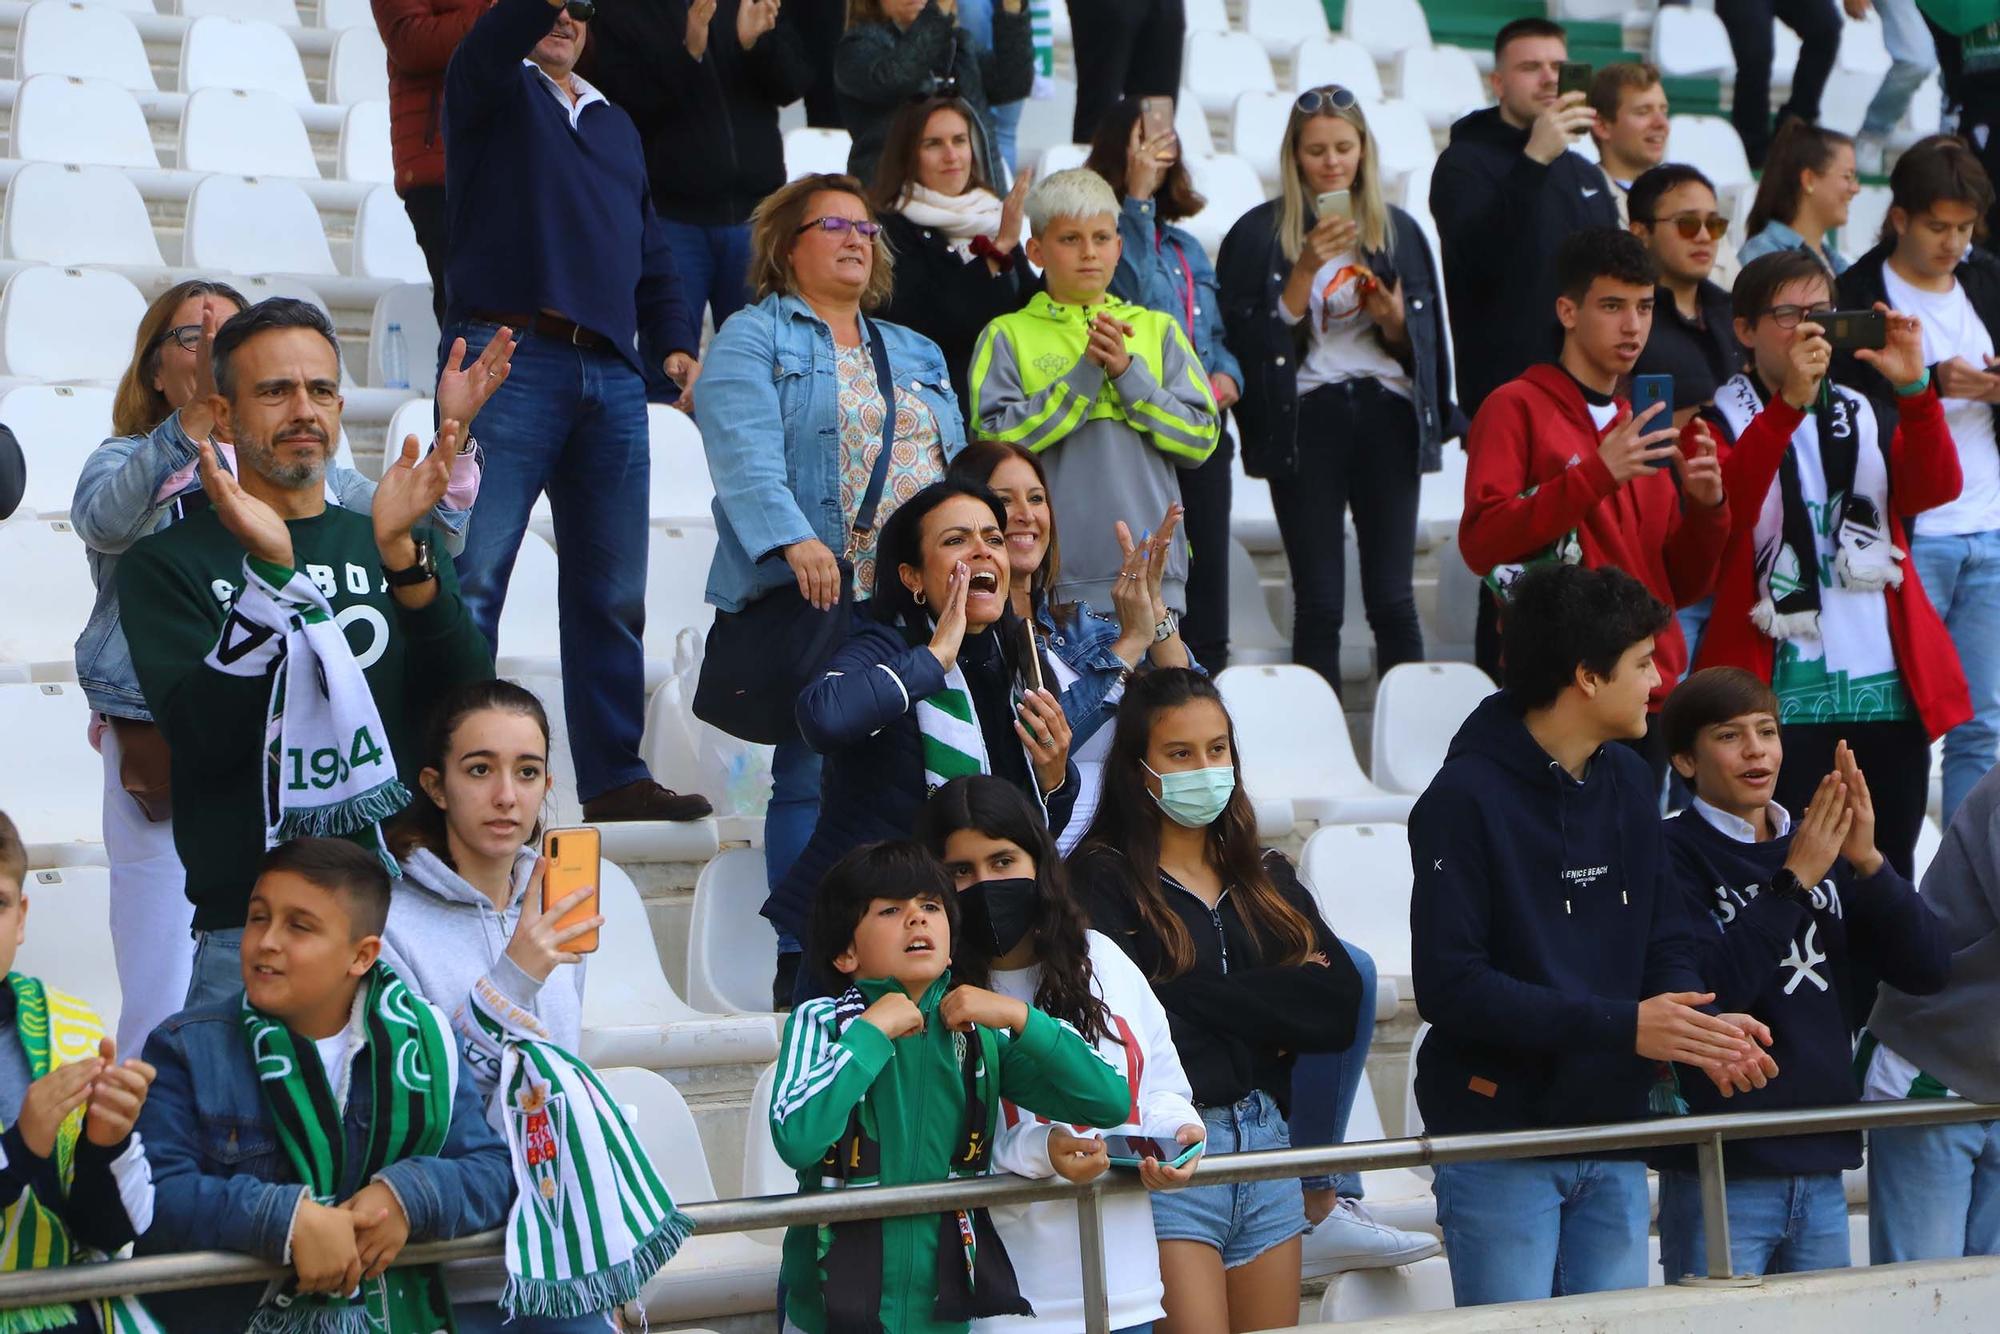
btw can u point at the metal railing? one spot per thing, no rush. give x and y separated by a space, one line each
160 1273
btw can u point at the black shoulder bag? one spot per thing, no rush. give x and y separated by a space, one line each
759 659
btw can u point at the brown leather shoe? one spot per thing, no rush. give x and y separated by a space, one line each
646 800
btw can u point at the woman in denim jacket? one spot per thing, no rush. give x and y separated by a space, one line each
1091 654
133 485
791 419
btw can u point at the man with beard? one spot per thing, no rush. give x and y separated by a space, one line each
246 764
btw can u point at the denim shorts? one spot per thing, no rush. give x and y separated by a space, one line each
1244 1220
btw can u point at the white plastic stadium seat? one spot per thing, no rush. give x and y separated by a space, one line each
732 951
364 152
63 119
1205 16
1253 520
58 425
764 1172
408 306
219 52
1440 81
1191 127
61 214
528 616
1929 839
681 490
59 37
338 15
1294 742
1061 157
1232 188
1386 27
1711 143
1340 60
1441 497
239 225
1253 636
1360 878
1691 43
245 133
68 324
281 12
1865 213
1418 709
358 69
69 938
1377 1294
809 150
1403 140
416 418
1220 67
1257 132
385 242
677 561
57 797
1282 24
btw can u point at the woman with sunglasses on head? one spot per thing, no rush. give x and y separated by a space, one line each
1808 183
1161 266
134 484
1022 934
1330 298
959 258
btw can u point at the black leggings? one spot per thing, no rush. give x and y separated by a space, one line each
1357 446
1895 758
1818 24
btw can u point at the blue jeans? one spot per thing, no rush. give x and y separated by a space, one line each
1933 1192
791 816
1324 1084
218 967
571 421
1530 1228
1962 577
1777 1225
1003 121
714 263
1913 55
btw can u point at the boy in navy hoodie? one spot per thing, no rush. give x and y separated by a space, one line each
1554 962
1795 920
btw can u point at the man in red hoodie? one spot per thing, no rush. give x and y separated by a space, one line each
1558 468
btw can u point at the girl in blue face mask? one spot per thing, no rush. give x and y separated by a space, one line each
1023 935
1250 976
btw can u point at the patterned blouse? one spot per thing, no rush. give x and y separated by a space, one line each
917 461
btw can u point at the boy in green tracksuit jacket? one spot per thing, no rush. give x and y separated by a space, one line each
1110 395
898 1081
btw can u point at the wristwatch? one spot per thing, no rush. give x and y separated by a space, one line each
422 572
1788 886
1166 629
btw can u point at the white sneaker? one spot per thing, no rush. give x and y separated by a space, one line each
1869 154
1351 1239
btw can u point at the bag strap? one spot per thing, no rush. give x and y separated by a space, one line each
885 384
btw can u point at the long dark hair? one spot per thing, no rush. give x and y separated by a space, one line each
422 823
998 809
1127 830
1175 199
1798 147
896 169
977 463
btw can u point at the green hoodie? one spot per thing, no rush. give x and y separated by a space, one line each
914 1093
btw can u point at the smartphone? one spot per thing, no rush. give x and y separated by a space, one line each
1574 77
1156 117
573 861
1849 330
1131 1150
1335 204
1034 657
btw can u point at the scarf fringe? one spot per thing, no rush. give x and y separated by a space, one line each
341 818
605 1290
1784 625
1872 577
305 1317
34 1319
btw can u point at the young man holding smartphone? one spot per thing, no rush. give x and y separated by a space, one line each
1560 470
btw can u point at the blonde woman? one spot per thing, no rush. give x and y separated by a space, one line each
1335 316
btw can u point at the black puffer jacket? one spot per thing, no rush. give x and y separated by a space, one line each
1251 273
877 67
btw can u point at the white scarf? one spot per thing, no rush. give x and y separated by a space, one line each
962 217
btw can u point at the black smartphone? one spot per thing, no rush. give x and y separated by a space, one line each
1574 77
1648 390
1850 330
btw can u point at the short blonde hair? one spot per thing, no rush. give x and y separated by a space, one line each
1076 193
774 230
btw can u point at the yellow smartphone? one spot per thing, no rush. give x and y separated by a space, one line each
573 864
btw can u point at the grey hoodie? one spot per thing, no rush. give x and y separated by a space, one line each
1952 1036
444 936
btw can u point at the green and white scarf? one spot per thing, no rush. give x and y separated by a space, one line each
411 1064
954 747
329 771
591 1221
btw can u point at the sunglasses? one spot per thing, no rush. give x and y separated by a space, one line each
830 223
1788 317
187 335
1691 225
583 11
1329 97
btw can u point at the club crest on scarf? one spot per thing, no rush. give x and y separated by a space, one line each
539 1115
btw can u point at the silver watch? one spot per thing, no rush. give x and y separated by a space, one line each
1169 625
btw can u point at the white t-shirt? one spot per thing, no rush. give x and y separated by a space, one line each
1601 414
1344 345
1952 328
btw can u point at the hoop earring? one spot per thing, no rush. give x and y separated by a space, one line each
918 596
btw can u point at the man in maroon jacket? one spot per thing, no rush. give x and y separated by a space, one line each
421 35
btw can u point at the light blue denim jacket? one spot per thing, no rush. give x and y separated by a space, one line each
1083 642
769 411
1777 236
116 504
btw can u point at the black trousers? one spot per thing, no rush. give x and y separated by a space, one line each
1124 48
1895 758
820 23
425 205
1206 494
1357 449
1818 24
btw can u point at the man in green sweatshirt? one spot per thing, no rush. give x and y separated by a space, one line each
385 583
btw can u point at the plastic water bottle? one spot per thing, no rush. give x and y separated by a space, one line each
395 358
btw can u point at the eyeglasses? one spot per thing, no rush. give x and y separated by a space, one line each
583 11
187 335
1327 97
835 224
1788 317
1691 225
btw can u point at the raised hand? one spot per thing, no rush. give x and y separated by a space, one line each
1701 472
50 1099
1859 845
1044 731
1331 237
1806 365
1632 449
255 525
949 636
410 488
1560 122
1012 210
462 390
116 1096
753 20
1078 1159
537 946
1146 161
965 1008
695 39
1107 344
1159 1176
1132 598
1901 359
1820 832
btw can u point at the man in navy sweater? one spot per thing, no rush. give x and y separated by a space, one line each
1553 961
553 235
1795 920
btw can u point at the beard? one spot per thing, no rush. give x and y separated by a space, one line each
261 457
